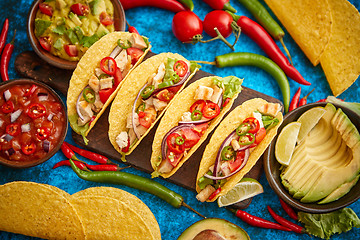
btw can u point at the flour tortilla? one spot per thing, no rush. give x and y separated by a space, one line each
173 116
85 68
124 100
226 127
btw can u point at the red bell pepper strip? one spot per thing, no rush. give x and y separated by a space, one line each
295 100
90 155
171 5
4 32
286 223
220 5
268 45
288 210
5 59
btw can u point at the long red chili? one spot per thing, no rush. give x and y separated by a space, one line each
303 101
5 59
132 29
69 154
171 5
286 223
259 35
220 5
258 222
107 167
288 210
4 32
295 100
79 164
96 157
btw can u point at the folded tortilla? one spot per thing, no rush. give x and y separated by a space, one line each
226 127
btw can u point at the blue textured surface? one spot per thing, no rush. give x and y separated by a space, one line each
156 24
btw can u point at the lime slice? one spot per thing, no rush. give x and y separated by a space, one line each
286 141
308 121
245 189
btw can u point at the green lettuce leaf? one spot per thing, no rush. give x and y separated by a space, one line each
269 121
87 41
327 224
230 84
170 74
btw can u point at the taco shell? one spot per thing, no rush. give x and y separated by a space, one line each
226 127
85 68
124 100
173 115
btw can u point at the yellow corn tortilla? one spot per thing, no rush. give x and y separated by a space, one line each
129 200
341 58
173 115
307 21
85 68
124 100
37 210
226 127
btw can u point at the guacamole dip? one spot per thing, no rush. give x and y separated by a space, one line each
67 28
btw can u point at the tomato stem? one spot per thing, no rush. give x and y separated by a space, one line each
221 37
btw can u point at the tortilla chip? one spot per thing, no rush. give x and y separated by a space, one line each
123 102
36 210
307 21
108 218
173 116
341 58
226 127
85 68
129 200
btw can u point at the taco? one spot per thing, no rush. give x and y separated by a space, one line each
235 147
144 98
188 121
99 75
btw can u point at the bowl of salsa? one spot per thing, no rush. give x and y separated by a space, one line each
60 31
33 123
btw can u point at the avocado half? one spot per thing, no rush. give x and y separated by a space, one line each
214 229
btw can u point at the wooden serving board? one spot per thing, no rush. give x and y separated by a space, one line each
29 65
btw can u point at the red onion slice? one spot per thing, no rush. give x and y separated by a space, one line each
15 115
115 52
219 103
7 137
7 95
77 104
138 135
10 152
195 122
1 122
25 127
42 96
46 146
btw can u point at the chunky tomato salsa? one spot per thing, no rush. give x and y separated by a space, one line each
32 122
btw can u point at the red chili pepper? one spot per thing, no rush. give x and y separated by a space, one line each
108 65
67 151
5 59
288 210
79 164
90 155
321 100
258 222
220 5
259 35
108 167
303 101
171 5
132 29
36 110
7 107
286 223
4 32
295 100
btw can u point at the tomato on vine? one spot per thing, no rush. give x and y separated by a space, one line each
218 19
186 25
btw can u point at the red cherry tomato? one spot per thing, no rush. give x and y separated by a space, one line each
198 105
181 68
28 149
200 128
45 43
218 19
135 54
260 135
46 9
174 159
105 19
117 77
80 9
191 137
174 89
71 50
165 95
42 133
186 25
104 94
7 107
146 120
36 110
254 124
235 163
13 129
211 110
172 146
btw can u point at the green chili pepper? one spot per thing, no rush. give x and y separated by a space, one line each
133 181
103 75
227 153
147 91
125 45
89 95
243 128
179 140
246 139
141 107
252 59
187 3
166 84
196 115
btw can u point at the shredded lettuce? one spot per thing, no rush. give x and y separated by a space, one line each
269 121
193 66
170 74
87 41
326 225
230 84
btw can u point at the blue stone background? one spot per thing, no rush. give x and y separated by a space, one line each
156 24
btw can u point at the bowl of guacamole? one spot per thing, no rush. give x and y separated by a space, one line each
61 31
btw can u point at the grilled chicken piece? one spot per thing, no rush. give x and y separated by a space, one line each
203 93
205 193
137 41
106 83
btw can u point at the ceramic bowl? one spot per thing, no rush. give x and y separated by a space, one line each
119 24
272 169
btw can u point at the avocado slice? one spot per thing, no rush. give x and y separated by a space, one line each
340 191
102 31
214 228
97 7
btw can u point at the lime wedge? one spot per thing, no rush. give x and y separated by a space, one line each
286 141
308 121
245 189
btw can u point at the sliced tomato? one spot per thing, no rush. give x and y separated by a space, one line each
201 128
174 89
211 110
172 146
28 149
7 107
43 133
104 94
46 9
181 68
165 95
213 195
191 137
235 163
71 50
254 123
80 9
260 135
141 114
198 105
13 129
227 100
174 159
105 19
147 120
117 77
45 43
135 54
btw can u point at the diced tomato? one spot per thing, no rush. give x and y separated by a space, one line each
200 128
71 50
46 9
13 129
104 94
235 163
45 43
213 195
260 135
198 105
191 137
141 114
174 89
28 149
174 159
7 107
165 95
181 68
211 110
135 54
105 19
172 145
254 124
147 120
80 9
227 100
117 77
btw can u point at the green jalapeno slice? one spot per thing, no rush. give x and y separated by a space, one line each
141 107
104 75
246 139
89 95
166 84
196 115
243 128
179 140
147 91
124 45
227 153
